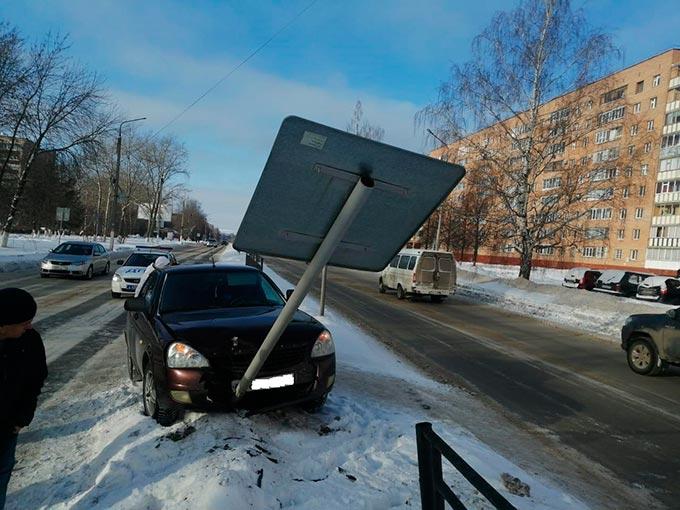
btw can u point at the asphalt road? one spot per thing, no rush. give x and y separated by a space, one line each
76 318
575 389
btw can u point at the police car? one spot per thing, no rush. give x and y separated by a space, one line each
126 278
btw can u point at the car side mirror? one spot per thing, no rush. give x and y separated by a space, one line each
289 293
119 262
137 304
672 313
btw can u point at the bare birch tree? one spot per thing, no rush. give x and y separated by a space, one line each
493 110
59 108
360 126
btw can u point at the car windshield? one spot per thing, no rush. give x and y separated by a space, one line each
73 249
142 259
217 289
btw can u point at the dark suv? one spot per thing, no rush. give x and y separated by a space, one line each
193 331
623 283
652 341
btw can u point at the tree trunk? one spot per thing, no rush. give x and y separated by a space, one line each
525 259
18 194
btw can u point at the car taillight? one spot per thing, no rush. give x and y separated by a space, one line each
413 278
664 291
617 287
583 281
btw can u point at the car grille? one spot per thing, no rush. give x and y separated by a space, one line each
59 263
282 358
131 280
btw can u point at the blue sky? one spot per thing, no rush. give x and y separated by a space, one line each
157 56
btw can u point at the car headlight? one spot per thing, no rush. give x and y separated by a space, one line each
324 345
116 277
184 356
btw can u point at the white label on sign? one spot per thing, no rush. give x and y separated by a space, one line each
313 140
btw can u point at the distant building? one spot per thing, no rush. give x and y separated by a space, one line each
638 226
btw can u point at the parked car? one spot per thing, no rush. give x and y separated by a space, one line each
193 331
581 278
76 258
126 278
420 272
622 283
652 341
659 288
211 243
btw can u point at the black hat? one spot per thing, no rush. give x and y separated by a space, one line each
16 306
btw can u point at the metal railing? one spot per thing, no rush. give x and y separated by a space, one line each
433 490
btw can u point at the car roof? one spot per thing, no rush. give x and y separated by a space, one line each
208 268
84 243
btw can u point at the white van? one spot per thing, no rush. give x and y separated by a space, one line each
420 272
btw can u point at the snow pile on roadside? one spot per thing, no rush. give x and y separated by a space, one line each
544 275
90 447
26 251
597 313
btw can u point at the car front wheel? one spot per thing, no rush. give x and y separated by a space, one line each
90 272
400 292
642 358
164 414
381 286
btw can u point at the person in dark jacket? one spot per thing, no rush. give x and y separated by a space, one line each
23 370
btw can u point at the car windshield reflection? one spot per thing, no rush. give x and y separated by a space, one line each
220 289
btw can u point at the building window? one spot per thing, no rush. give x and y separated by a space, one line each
545 250
667 165
639 213
609 135
644 169
633 130
585 141
621 234
633 254
596 233
552 183
631 149
648 147
600 213
628 172
636 233
614 95
652 103
672 118
584 160
599 194
643 189
625 192
606 155
636 108
622 214
603 174
618 254
598 252
670 140
639 86
650 125
657 80
610 115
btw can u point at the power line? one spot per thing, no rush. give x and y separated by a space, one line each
236 68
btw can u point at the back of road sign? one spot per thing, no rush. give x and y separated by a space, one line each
311 171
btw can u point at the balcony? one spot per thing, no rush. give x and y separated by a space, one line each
671 128
667 198
663 242
667 175
669 152
674 83
659 221
672 106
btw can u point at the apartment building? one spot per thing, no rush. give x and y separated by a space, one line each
632 149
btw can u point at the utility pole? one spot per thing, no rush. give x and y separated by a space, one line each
114 183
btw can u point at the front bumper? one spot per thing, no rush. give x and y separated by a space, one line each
206 387
63 269
123 288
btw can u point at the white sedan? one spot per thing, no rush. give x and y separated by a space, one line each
126 278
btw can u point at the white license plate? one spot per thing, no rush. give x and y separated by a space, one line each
278 381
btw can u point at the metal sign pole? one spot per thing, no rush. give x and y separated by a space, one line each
322 300
349 212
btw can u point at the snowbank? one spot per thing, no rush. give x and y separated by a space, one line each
594 312
24 252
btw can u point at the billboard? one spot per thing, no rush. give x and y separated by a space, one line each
144 211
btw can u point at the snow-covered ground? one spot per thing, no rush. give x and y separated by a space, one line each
90 447
544 298
26 251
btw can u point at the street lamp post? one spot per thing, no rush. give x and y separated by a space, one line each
114 184
439 209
